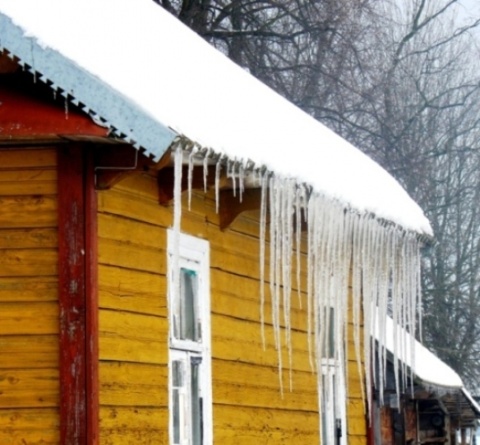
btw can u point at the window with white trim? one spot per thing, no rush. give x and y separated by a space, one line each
190 388
332 409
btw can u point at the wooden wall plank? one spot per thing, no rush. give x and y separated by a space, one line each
28 262
148 419
29 312
35 289
132 291
39 238
34 318
133 384
29 388
29 351
237 425
28 211
132 337
128 256
36 159
251 385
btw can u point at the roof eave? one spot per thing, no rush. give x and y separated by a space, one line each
107 107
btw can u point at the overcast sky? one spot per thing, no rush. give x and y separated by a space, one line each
470 7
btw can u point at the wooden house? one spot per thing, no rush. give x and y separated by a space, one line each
185 257
432 405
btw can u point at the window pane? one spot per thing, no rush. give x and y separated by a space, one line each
196 400
188 306
328 349
178 400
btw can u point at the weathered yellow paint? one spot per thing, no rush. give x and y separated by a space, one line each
28 211
248 407
29 318
236 424
132 337
28 351
33 426
29 388
131 425
36 159
132 291
34 289
133 384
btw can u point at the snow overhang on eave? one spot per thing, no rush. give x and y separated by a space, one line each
105 106
428 370
150 80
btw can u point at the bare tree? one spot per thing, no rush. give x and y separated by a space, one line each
400 80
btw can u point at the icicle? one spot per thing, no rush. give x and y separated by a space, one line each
205 170
298 242
241 180
286 237
177 210
275 257
190 177
263 223
231 174
218 169
177 188
310 272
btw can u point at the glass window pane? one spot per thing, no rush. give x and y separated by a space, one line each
328 350
177 373
196 400
176 416
188 306
178 400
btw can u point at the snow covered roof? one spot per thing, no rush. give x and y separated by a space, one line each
426 366
148 77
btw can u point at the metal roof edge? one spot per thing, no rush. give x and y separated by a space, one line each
105 105
475 406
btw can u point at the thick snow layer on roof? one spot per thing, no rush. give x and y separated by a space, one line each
427 366
159 65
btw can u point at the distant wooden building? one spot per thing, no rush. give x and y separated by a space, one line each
433 406
153 233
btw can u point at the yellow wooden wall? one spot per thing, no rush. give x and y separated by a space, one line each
29 377
248 408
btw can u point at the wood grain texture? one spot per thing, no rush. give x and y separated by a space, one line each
72 295
248 406
29 311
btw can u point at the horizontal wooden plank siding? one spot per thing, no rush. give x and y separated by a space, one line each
248 406
133 324
29 313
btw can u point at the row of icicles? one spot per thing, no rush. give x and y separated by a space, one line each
353 262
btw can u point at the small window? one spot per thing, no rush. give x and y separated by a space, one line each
190 391
187 322
332 409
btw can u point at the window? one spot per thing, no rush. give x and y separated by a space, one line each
190 391
332 409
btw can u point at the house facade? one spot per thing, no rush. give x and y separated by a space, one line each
432 407
181 269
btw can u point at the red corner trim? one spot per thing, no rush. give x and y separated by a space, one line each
91 240
77 298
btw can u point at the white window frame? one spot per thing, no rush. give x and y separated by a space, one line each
194 254
333 399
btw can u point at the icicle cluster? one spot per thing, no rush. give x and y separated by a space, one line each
355 264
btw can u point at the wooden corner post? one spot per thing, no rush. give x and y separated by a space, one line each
77 297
